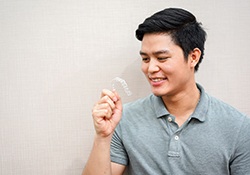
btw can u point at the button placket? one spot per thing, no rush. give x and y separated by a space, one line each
174 145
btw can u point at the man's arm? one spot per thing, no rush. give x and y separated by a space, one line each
99 161
117 169
106 115
241 158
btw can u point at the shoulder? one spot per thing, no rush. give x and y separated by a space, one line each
137 108
216 108
219 113
139 103
142 111
227 117
222 108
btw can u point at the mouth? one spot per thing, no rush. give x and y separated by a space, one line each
157 81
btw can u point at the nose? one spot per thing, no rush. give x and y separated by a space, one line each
153 66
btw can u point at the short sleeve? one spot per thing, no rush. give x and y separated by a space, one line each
240 164
117 151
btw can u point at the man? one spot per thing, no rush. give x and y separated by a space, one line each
179 129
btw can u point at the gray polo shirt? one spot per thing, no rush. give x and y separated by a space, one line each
215 140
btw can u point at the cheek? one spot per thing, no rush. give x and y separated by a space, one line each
144 68
167 68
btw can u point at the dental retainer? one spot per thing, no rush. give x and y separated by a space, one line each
122 83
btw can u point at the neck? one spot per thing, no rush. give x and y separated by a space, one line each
182 105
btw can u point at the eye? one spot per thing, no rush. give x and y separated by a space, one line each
145 60
162 59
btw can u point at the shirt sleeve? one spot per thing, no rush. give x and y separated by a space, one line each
117 151
240 164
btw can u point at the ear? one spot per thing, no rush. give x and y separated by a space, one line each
194 57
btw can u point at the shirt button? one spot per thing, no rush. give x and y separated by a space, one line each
176 137
169 119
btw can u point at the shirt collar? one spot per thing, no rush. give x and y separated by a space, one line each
159 107
199 113
202 107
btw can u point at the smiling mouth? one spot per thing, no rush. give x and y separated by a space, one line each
157 79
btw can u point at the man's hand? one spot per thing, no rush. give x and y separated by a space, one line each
107 113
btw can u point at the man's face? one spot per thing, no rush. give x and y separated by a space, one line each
164 65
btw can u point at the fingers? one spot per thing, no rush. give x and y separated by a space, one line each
118 102
111 94
107 103
102 110
107 112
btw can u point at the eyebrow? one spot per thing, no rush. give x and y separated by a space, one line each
155 53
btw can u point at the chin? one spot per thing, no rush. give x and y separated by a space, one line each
162 91
157 92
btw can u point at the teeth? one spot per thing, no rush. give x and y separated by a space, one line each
157 79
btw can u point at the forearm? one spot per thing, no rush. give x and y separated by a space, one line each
99 159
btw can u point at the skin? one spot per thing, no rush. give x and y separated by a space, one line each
169 76
106 115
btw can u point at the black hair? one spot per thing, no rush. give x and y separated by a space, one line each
181 25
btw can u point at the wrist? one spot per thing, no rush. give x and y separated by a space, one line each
103 139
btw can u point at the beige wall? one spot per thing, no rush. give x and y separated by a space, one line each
57 55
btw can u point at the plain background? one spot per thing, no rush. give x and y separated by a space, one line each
57 55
